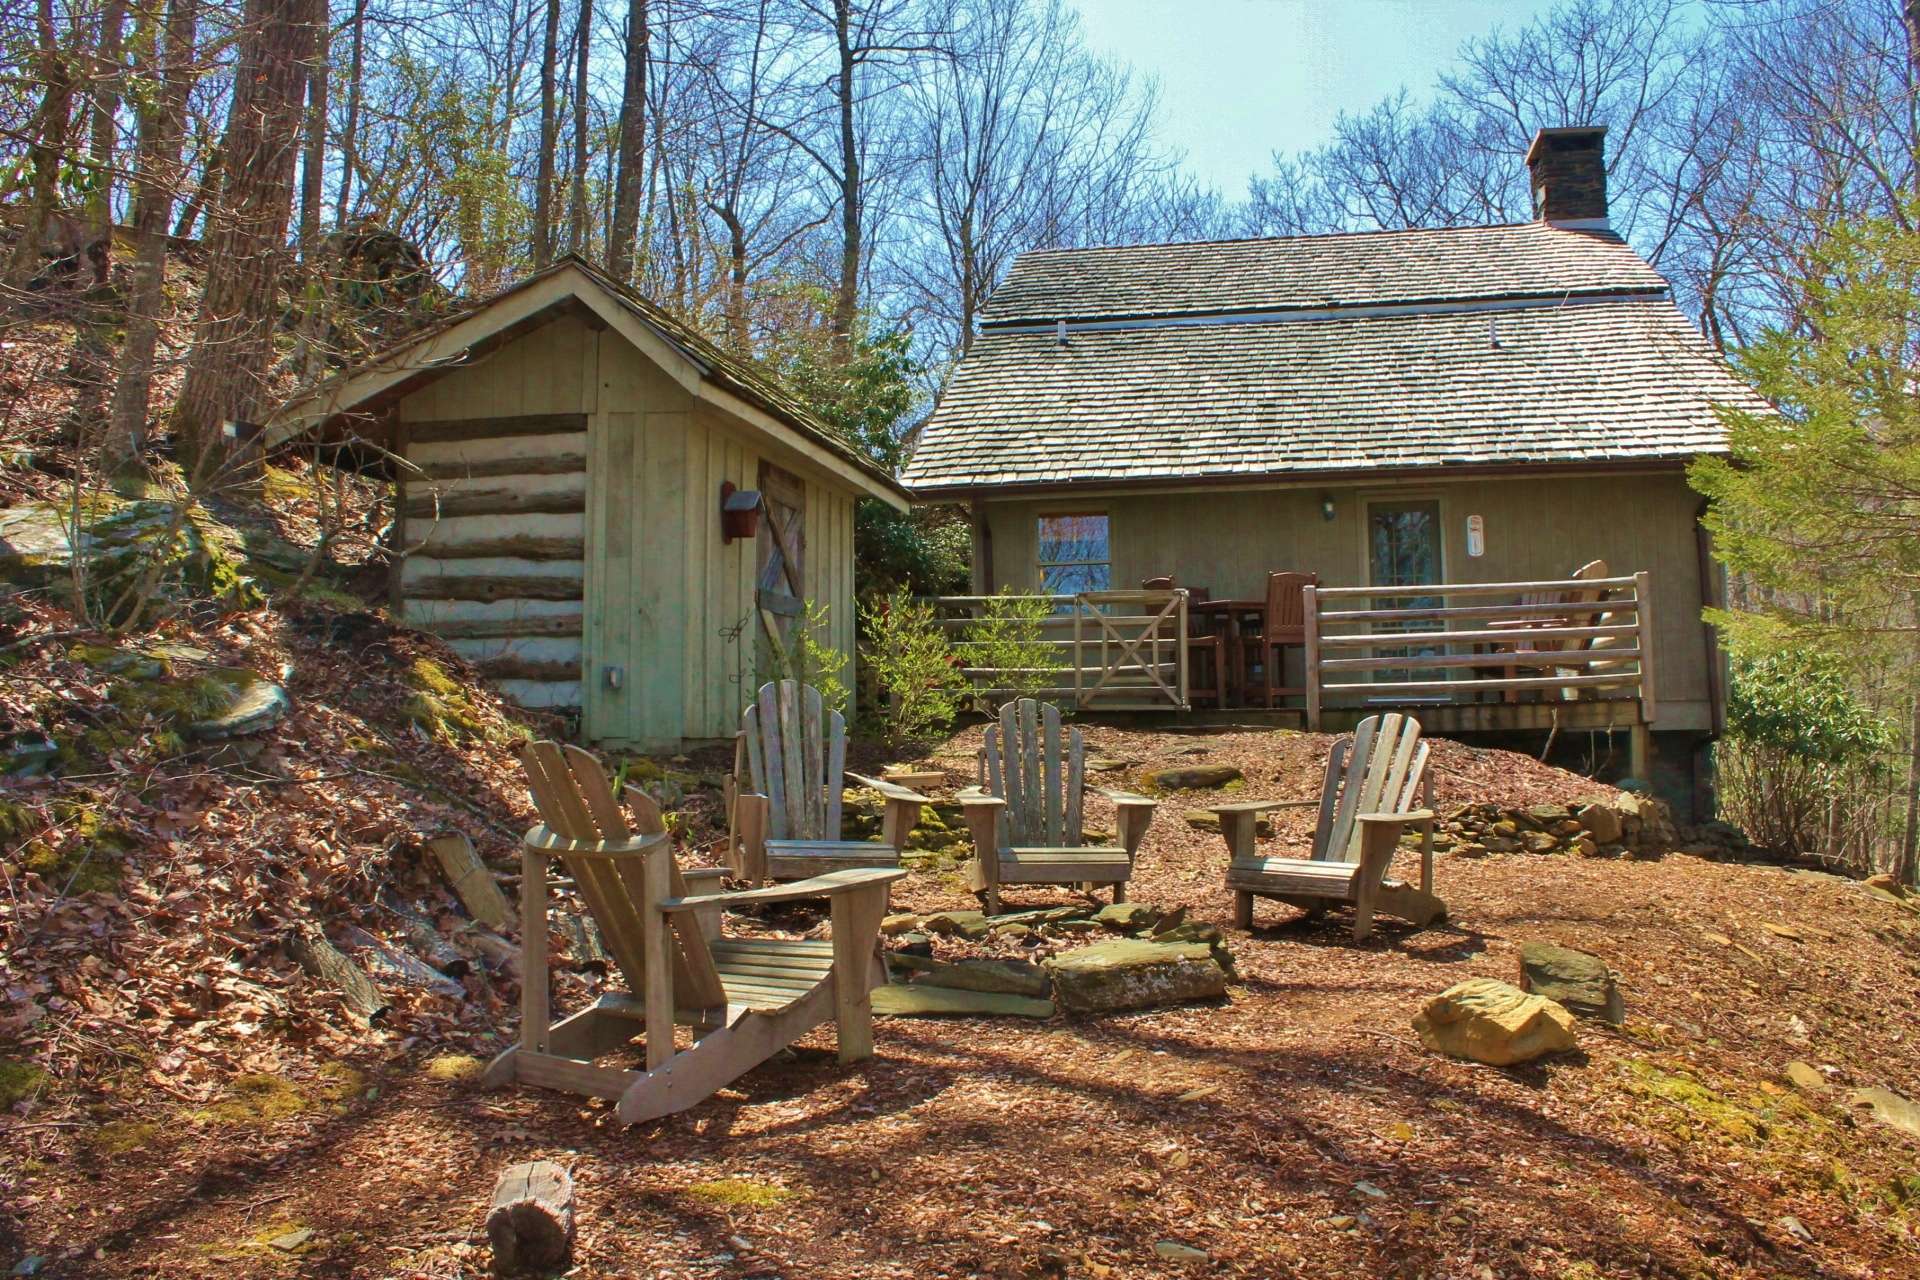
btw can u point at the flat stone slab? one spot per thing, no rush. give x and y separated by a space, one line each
1110 977
255 704
1583 983
1191 777
967 924
1008 977
897 1000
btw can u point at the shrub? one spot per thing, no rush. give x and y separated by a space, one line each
908 654
1009 637
1803 767
809 659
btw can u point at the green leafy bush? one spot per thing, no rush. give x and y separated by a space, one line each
910 659
1010 638
1804 767
806 657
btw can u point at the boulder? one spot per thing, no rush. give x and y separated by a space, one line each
1035 918
965 924
1008 977
1132 917
1486 1020
1806 1079
906 922
1580 982
1889 1108
1190 777
1539 842
1130 974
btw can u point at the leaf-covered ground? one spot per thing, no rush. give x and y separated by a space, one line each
182 1100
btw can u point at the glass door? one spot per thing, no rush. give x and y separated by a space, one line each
1403 550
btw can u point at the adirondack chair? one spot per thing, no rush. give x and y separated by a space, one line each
1535 653
1025 815
745 998
788 772
1366 801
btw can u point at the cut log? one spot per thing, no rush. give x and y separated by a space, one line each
471 880
530 1221
402 967
503 587
426 940
311 950
531 424
492 502
514 667
500 952
585 935
521 546
560 624
538 464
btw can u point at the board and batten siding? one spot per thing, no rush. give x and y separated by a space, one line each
1227 540
604 586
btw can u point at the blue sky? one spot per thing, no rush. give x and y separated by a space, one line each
1240 79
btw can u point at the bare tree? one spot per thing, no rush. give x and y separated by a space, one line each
629 172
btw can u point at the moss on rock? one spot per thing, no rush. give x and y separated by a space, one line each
741 1193
19 1081
439 704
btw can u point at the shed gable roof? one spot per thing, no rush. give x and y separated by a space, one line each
401 368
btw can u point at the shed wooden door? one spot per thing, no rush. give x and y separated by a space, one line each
780 587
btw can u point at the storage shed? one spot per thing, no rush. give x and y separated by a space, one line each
599 507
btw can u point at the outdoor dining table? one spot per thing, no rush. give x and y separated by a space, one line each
1237 619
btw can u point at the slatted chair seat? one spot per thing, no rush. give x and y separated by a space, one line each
789 772
746 998
1025 817
1368 797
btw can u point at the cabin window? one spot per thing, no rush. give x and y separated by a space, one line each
1075 555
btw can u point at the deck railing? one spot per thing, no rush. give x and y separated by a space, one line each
1461 652
1119 650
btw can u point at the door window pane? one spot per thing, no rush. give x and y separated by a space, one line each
1403 550
1074 554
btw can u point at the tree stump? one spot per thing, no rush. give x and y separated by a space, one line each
530 1222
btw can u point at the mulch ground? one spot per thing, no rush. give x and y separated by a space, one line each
1297 1128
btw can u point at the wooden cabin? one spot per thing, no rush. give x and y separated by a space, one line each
600 508
1432 409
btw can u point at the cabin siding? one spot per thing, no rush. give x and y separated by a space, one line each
611 558
1227 540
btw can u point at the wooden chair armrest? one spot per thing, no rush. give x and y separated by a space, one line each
891 790
543 840
830 885
1259 806
973 798
1133 815
1412 815
702 875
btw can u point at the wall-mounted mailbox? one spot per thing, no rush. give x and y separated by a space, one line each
739 512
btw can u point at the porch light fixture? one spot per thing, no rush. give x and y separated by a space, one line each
739 512
1326 506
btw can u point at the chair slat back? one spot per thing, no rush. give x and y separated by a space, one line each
575 801
796 756
1378 772
1040 771
1286 605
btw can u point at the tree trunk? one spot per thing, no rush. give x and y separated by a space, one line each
846 296
46 147
549 140
106 110
202 194
308 357
162 125
736 280
233 338
583 42
1909 863
625 228
350 127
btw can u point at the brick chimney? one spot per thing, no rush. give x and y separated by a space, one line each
1568 172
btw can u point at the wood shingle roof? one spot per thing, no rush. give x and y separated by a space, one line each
1477 347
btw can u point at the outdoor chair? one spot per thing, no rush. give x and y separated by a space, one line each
1580 611
1366 801
1284 627
789 772
1208 681
1025 816
746 998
